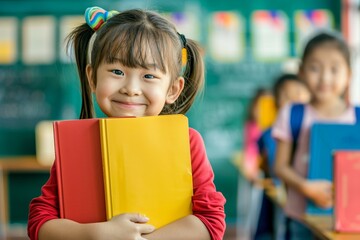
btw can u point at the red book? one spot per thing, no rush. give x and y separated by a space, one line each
79 170
347 191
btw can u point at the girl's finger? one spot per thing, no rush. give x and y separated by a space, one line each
137 218
140 238
145 228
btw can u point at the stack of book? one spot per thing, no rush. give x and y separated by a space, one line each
111 166
325 139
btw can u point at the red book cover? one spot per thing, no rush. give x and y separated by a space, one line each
79 170
347 191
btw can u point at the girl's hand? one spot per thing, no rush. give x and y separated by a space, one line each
129 226
320 192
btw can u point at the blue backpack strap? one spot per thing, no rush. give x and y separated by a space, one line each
357 115
296 118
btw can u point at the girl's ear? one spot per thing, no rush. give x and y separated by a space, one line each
175 90
89 75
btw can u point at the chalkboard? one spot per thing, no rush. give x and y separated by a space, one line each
27 96
30 93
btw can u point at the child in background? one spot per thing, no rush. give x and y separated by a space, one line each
325 69
288 88
136 64
252 132
249 167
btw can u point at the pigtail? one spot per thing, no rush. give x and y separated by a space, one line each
193 75
79 39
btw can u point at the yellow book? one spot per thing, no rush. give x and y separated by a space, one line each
147 167
266 111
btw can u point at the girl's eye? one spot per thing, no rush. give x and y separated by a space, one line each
313 68
149 76
117 72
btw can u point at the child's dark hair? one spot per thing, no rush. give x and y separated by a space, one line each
280 83
127 38
327 38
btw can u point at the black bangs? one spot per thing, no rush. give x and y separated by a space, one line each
135 46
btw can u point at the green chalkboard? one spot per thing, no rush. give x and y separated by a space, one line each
30 93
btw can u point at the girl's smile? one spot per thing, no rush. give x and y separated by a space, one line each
126 105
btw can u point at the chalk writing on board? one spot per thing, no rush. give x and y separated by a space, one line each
219 120
240 80
27 95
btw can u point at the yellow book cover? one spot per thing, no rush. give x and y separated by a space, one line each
147 167
266 111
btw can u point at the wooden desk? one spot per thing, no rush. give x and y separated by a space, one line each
276 194
322 227
14 164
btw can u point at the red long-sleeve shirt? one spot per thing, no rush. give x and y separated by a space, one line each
208 204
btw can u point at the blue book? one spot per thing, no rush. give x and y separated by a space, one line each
324 140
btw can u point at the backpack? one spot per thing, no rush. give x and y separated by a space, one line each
296 118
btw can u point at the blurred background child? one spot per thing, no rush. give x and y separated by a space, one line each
325 69
252 132
288 88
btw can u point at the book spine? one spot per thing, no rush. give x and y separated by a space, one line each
58 168
105 163
336 222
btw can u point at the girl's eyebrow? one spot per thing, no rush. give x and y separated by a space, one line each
113 60
313 59
151 65
147 65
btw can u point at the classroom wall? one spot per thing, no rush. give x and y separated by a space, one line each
34 90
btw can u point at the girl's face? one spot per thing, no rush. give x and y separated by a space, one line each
326 73
123 91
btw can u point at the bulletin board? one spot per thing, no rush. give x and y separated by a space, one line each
41 85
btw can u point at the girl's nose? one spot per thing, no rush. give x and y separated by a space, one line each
326 76
131 88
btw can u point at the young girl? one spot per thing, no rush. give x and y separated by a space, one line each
288 88
252 132
136 64
325 69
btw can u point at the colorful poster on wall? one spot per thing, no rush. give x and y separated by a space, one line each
270 35
8 40
353 28
67 24
307 22
226 37
39 40
186 23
